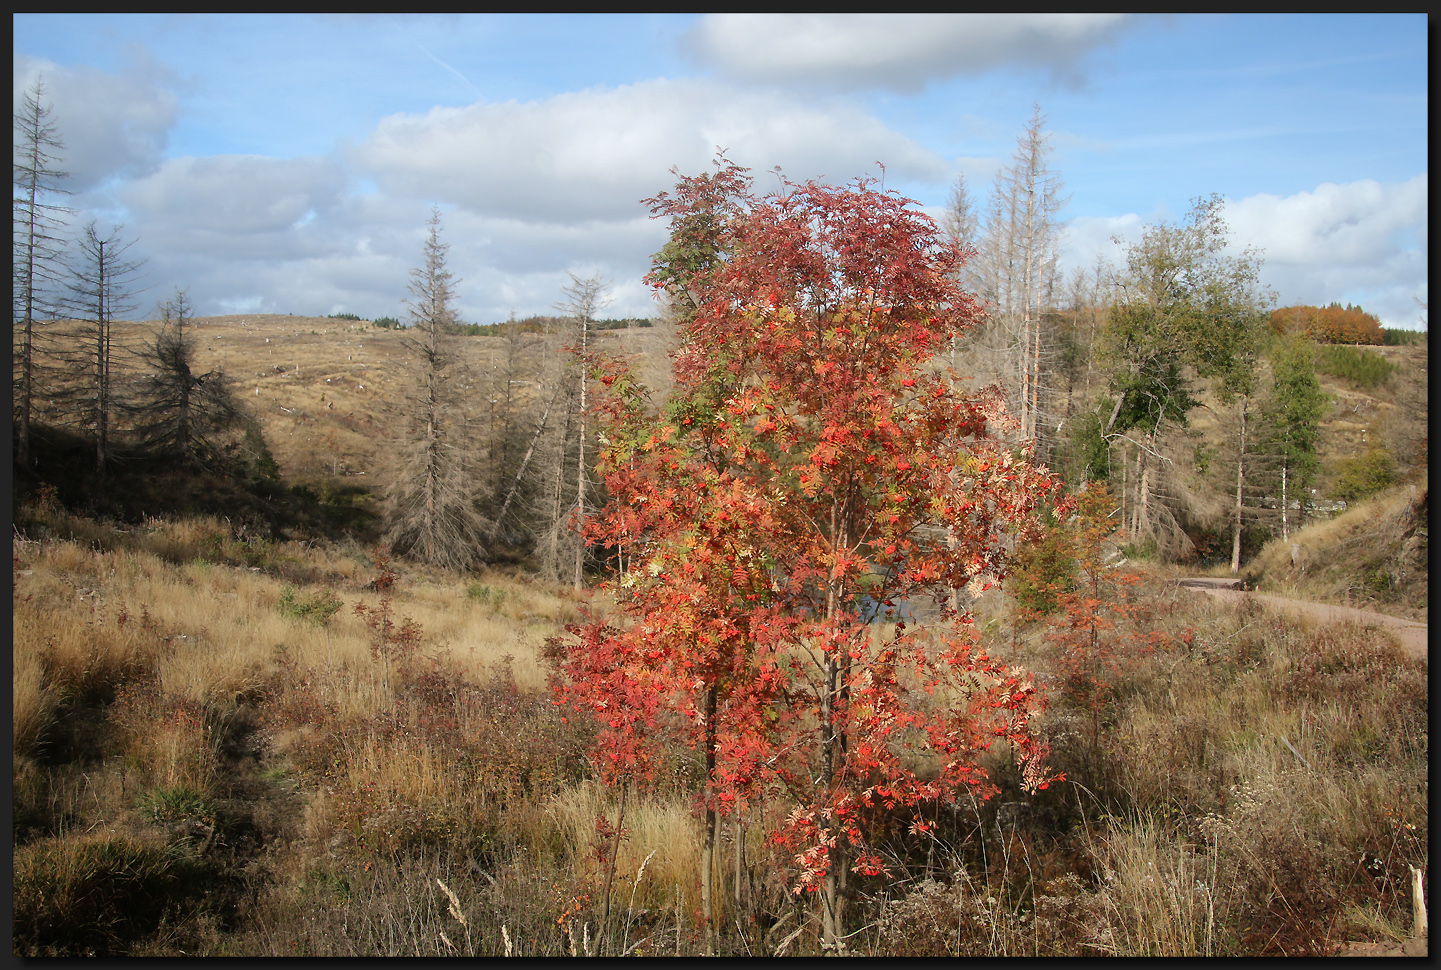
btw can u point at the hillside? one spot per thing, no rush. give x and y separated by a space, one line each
228 742
1374 555
325 389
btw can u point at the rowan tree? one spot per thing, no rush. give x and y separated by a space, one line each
808 470
1093 623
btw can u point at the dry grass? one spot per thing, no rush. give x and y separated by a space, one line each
321 387
1373 555
167 694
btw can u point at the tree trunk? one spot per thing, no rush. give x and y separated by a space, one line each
1285 535
1240 481
708 836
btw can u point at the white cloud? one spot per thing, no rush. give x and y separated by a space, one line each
111 124
595 154
898 51
1359 224
236 194
1363 242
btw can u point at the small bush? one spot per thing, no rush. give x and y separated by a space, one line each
1044 569
487 597
314 609
1362 476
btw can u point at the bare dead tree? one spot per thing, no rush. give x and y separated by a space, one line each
38 248
178 412
584 300
962 226
432 510
1016 272
102 281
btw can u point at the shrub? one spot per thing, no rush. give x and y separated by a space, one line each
315 609
1362 367
1044 569
487 597
1361 476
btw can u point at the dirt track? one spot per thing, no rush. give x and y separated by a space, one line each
1410 633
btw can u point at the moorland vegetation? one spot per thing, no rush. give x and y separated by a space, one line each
828 614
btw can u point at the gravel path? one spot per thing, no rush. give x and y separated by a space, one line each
1410 633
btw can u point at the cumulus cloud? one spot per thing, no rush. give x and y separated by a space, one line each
236 194
898 51
112 124
1363 242
1359 224
594 154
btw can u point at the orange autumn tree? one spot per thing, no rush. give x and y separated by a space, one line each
811 475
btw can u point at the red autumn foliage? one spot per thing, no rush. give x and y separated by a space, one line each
811 470
1096 623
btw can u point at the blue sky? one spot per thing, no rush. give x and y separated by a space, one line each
288 163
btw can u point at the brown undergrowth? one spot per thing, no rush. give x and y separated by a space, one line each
215 755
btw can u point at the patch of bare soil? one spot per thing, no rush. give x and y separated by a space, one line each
1409 633
1411 948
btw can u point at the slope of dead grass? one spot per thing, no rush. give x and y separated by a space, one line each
235 738
1373 555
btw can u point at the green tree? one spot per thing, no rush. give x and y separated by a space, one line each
1185 306
1291 419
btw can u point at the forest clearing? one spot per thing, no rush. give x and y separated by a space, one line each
791 647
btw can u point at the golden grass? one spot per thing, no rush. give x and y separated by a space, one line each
662 825
1369 555
1206 800
32 699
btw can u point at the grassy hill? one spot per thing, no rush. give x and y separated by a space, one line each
1373 555
239 741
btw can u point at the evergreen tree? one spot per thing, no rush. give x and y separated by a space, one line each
1292 421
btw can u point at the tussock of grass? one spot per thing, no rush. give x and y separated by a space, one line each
32 700
99 893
